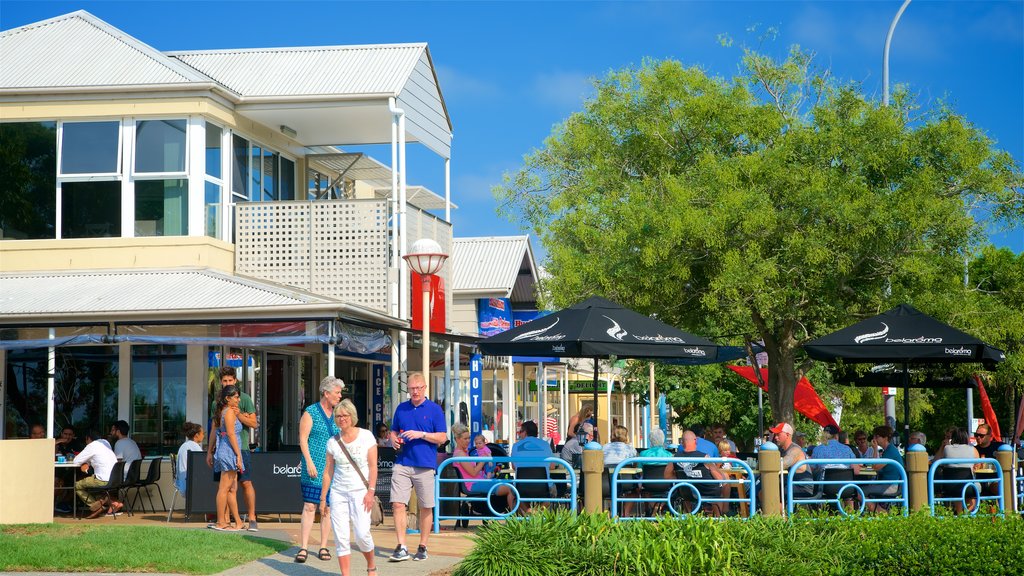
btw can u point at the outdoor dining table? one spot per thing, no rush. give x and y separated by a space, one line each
57 465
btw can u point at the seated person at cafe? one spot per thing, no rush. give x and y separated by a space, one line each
958 447
885 449
703 444
477 478
193 443
917 437
718 436
529 446
67 444
572 451
619 448
98 455
832 449
792 454
987 448
696 471
124 447
37 432
861 447
657 449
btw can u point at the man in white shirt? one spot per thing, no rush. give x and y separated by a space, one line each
124 448
97 453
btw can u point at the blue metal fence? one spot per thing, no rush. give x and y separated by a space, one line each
847 488
972 488
494 485
634 486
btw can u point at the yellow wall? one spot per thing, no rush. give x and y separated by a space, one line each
115 253
26 481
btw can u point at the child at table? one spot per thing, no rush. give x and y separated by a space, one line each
726 451
481 449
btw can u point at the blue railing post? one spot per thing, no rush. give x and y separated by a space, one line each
971 485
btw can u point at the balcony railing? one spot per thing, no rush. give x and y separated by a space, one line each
335 248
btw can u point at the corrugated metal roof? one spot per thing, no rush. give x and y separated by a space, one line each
309 71
78 50
490 264
139 291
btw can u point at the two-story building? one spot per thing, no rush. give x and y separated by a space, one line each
166 213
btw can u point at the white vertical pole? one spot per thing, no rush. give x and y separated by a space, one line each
542 396
51 372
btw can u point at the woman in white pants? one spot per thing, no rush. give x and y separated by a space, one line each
351 487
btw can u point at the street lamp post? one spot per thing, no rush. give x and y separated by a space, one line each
426 259
885 53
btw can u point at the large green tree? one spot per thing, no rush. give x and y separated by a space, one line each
779 203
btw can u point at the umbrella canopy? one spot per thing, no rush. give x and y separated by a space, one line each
805 399
902 334
600 328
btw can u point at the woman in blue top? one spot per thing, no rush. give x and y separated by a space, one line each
316 427
228 458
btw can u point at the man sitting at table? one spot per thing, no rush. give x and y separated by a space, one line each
987 447
529 446
792 454
885 449
101 458
572 452
125 448
833 449
696 471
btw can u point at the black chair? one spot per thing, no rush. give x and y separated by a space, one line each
655 485
956 489
686 496
131 481
152 479
113 485
533 489
476 507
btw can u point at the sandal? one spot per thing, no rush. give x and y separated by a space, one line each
324 554
301 556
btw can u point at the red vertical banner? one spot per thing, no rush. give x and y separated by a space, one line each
986 408
437 306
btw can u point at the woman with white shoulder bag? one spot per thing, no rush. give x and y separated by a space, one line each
350 475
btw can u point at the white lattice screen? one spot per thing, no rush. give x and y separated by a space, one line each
336 248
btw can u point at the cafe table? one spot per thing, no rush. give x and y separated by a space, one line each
57 465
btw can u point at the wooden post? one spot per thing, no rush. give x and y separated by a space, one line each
1007 460
593 467
769 463
917 477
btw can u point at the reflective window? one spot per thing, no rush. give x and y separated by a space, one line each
90 209
212 214
28 161
161 207
239 168
89 147
158 396
213 146
160 146
270 175
287 179
257 174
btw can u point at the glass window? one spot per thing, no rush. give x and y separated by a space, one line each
158 396
239 168
28 161
89 147
85 389
160 146
161 207
212 214
287 179
270 174
257 174
213 145
90 209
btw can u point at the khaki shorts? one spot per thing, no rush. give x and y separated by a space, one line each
403 478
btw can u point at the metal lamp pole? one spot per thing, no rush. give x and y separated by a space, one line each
426 259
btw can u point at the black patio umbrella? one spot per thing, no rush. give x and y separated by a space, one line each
906 336
598 328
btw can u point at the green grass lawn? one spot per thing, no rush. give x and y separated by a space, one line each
85 548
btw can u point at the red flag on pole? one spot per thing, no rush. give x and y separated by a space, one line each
986 408
805 399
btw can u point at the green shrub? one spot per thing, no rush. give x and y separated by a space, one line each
550 543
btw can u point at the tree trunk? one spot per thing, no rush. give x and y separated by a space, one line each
781 377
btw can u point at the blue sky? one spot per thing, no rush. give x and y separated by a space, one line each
510 71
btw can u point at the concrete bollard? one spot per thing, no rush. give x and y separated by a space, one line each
769 463
1007 460
593 467
916 460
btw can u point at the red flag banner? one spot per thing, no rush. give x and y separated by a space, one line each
986 408
805 399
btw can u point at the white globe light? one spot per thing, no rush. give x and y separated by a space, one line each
425 257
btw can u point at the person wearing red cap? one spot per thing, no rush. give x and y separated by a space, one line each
792 454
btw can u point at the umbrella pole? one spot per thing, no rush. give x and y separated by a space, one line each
906 405
595 395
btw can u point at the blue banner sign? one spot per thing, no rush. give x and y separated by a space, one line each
476 409
520 317
494 315
378 394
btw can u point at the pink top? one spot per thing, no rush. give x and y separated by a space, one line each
464 466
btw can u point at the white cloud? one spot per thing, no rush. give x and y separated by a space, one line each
456 85
565 90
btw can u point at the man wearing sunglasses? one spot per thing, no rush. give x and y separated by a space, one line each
987 447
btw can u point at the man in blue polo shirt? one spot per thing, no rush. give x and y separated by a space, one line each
417 429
